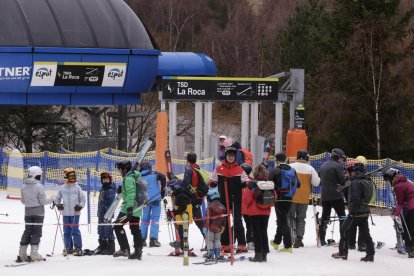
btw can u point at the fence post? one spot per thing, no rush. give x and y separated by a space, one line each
1 167
387 187
88 193
45 157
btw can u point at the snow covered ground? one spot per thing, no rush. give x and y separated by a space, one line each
309 260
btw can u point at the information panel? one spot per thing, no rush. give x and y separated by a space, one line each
78 74
222 89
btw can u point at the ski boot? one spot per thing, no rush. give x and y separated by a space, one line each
136 255
176 252
339 255
241 248
34 254
264 257
154 243
286 249
78 252
191 253
121 253
258 258
225 249
101 247
110 250
298 243
274 245
22 257
367 258
144 243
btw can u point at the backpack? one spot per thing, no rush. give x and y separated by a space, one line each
369 192
141 192
248 157
203 179
289 182
265 194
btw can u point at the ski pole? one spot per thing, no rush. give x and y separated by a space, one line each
61 232
229 222
405 226
54 241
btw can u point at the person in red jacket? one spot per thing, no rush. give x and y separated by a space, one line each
233 176
259 216
245 213
404 193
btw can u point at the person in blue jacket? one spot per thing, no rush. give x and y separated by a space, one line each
151 215
106 197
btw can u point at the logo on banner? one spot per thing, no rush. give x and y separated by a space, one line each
15 73
114 75
44 74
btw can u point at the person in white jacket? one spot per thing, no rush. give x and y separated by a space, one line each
34 198
73 200
308 177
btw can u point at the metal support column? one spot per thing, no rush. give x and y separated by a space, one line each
245 125
278 127
297 84
208 125
172 126
254 124
122 127
198 128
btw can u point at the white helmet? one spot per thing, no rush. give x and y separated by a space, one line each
34 171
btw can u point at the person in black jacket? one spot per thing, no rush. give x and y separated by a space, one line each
282 205
332 176
106 197
360 193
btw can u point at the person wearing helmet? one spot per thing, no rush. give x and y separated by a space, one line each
332 175
245 213
308 178
129 212
214 225
106 197
404 193
286 183
151 214
360 193
70 200
34 198
232 175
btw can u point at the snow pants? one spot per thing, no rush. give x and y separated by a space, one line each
32 233
71 230
151 219
135 231
283 230
346 228
261 242
296 219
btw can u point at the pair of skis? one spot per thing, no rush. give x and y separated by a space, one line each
225 260
316 219
114 205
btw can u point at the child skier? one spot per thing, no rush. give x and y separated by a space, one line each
34 198
106 197
215 224
70 200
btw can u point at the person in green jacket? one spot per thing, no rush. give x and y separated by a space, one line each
129 213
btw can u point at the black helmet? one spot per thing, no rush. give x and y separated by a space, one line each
246 168
338 153
356 167
302 155
231 150
390 174
145 166
124 165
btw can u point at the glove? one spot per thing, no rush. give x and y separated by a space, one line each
129 213
244 184
60 207
170 215
77 208
119 190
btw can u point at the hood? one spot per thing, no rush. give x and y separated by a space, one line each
284 166
145 172
31 181
400 178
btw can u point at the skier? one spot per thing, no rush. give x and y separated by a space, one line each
245 213
285 188
181 197
404 193
232 175
360 193
191 182
151 215
259 216
308 177
128 213
34 198
106 197
215 224
70 200
332 175
221 147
